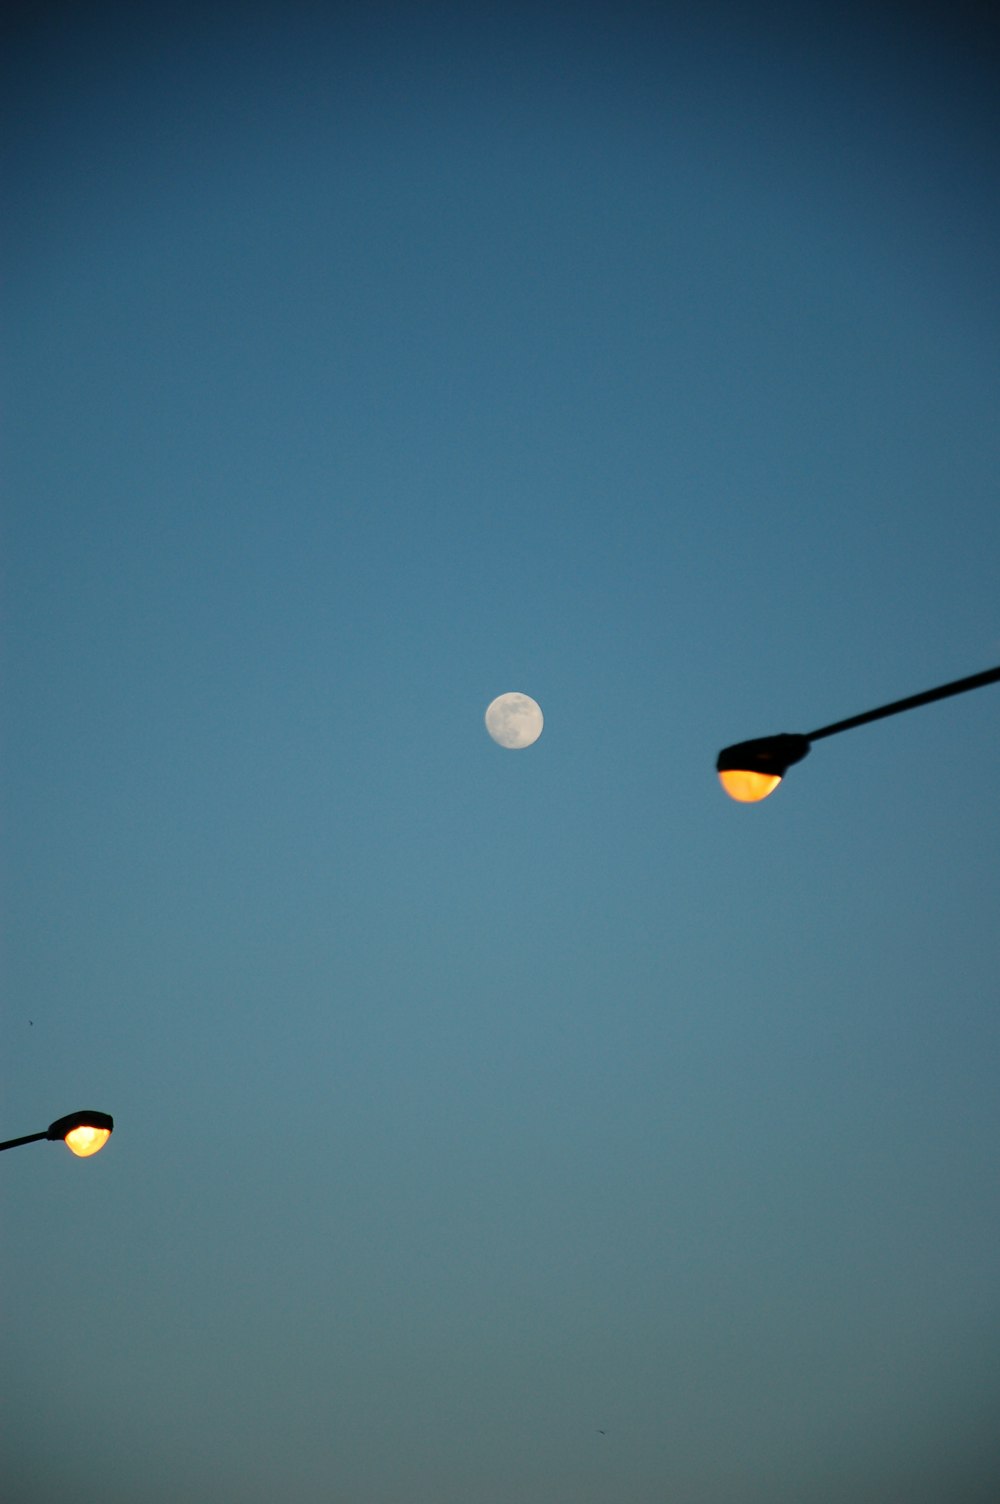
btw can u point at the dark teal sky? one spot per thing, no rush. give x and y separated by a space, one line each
495 1127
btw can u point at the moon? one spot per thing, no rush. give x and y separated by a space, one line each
514 720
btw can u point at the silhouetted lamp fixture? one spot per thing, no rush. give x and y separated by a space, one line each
83 1132
749 771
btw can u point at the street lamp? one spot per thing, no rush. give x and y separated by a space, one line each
82 1132
749 771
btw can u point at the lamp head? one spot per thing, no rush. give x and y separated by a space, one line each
84 1132
749 771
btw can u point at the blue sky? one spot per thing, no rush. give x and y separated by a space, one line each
495 1126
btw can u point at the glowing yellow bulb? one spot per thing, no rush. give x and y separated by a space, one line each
748 787
85 1141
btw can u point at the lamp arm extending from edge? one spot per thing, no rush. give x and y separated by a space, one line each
29 1138
956 687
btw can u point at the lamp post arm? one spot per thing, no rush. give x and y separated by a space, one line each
957 687
30 1138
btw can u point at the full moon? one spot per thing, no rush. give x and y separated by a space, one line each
514 720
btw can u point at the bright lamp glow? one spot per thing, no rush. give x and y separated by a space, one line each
749 771
85 1140
746 786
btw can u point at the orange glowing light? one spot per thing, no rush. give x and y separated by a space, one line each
746 786
85 1140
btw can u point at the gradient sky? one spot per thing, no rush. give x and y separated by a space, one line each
500 1127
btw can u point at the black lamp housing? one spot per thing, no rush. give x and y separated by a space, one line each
772 755
62 1126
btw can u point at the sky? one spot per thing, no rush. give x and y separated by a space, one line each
499 1127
